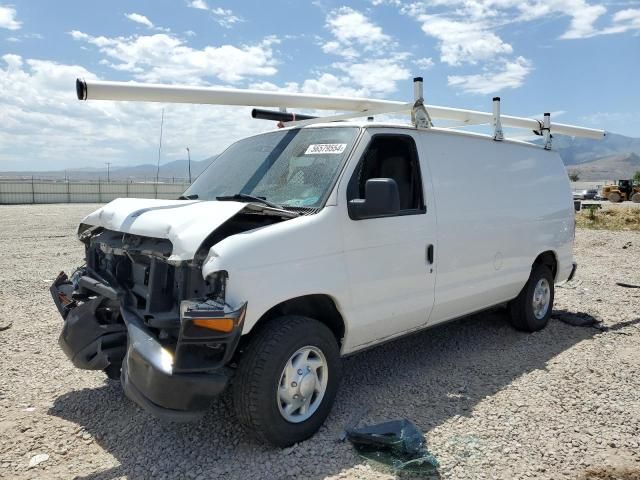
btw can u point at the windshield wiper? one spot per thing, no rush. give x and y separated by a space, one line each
193 196
244 196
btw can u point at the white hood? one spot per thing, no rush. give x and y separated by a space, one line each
186 223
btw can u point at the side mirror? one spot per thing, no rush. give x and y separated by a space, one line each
382 199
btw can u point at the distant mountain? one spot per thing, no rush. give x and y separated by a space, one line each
610 167
612 158
576 151
175 169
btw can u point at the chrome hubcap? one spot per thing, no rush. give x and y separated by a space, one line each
541 298
303 384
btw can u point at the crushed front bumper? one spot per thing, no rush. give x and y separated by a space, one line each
151 375
89 343
149 380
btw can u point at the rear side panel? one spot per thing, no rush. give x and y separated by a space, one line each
499 205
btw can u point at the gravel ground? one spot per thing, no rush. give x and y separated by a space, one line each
494 403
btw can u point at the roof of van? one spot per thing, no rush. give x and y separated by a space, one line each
406 126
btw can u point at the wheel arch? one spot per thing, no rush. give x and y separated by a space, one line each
550 259
320 307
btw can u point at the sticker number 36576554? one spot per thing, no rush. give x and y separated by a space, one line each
331 148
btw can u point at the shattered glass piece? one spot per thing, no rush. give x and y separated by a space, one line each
398 444
576 319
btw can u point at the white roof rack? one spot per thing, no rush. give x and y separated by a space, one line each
422 115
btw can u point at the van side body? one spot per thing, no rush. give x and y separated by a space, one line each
484 245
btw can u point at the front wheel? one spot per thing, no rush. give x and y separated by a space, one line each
615 197
531 309
287 379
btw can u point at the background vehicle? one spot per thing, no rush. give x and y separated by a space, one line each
589 194
622 191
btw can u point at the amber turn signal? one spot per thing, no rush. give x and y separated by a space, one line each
218 324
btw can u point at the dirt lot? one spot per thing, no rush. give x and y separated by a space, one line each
494 403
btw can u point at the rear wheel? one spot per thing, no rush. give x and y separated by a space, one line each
287 379
615 197
635 198
531 309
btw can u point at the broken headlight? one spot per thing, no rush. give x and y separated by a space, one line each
209 333
217 285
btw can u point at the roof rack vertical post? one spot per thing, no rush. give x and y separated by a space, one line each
497 125
419 115
546 131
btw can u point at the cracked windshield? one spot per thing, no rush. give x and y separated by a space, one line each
289 168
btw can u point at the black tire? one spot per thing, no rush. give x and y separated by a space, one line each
521 310
113 371
257 378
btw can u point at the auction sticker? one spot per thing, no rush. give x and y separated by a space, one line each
330 148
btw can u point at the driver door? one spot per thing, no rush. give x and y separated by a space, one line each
389 259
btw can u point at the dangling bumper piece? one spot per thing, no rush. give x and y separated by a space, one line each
176 381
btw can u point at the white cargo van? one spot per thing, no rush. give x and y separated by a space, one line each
305 244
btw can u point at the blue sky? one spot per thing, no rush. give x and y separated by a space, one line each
579 59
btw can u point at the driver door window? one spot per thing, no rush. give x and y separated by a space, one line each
395 157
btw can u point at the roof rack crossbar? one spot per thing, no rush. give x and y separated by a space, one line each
129 91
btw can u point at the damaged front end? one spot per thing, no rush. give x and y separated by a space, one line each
156 324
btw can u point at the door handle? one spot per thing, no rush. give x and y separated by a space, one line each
430 254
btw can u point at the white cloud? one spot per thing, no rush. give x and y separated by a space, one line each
395 3
510 74
371 62
199 4
225 17
40 112
583 18
328 84
463 42
77 35
141 19
492 14
467 32
165 57
623 21
424 63
8 18
13 61
349 80
375 76
351 27
333 47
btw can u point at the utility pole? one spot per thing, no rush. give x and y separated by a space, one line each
189 160
108 172
159 149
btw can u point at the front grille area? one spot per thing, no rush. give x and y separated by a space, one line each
138 265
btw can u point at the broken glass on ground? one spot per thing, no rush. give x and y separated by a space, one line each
577 319
398 444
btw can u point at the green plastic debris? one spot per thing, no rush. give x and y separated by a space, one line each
398 444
